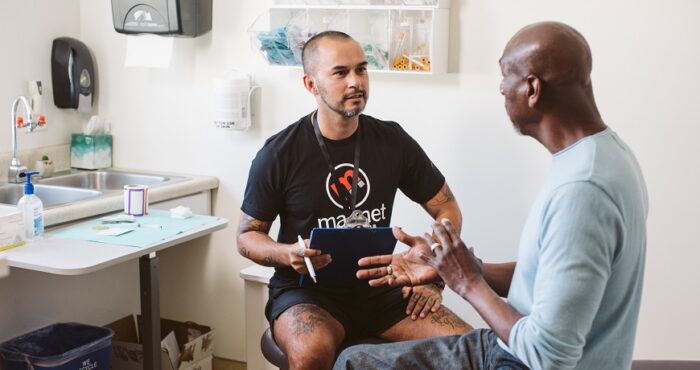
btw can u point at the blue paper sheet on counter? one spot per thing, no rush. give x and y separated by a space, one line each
143 236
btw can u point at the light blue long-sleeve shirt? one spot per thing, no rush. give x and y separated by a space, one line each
578 278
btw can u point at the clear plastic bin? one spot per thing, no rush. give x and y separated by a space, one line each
280 34
62 346
269 35
410 41
371 30
307 23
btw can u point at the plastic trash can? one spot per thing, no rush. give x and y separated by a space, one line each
64 346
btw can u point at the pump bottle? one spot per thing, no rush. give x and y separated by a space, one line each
32 210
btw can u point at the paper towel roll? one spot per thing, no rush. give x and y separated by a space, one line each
151 51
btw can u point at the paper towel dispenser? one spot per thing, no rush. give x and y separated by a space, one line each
165 17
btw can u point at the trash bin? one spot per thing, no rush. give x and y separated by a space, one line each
64 346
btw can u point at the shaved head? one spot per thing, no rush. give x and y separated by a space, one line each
335 72
555 52
310 50
547 84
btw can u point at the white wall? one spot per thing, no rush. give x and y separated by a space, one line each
645 77
27 29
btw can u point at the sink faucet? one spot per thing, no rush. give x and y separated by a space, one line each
16 171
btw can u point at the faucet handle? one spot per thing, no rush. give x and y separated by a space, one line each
41 120
20 122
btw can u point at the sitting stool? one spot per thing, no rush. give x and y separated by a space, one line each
274 354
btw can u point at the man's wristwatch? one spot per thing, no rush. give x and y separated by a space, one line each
440 284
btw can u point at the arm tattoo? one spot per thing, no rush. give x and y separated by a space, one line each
443 196
445 318
307 318
249 223
270 261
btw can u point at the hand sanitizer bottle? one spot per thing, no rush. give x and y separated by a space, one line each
32 211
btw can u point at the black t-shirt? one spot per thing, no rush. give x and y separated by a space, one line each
289 177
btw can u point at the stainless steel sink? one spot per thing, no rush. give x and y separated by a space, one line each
103 180
49 195
77 185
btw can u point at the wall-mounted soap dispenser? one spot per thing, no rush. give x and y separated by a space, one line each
72 74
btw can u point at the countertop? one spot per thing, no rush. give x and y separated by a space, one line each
78 257
114 200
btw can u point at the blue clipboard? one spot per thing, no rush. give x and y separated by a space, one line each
346 247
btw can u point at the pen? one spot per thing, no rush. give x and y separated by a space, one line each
309 266
144 226
150 226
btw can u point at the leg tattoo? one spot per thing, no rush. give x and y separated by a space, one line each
306 318
444 318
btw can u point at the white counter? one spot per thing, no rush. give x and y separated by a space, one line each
77 257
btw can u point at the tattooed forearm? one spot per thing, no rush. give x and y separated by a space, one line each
444 206
254 242
271 262
443 196
445 318
249 223
307 318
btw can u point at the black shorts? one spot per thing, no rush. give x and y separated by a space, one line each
363 312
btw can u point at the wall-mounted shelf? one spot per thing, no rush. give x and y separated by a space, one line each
408 36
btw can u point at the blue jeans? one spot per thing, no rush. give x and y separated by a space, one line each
475 350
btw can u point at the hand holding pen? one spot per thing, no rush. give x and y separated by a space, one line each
304 260
307 259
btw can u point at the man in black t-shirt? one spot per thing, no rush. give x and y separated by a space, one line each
306 174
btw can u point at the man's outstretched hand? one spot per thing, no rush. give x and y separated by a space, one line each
409 268
449 259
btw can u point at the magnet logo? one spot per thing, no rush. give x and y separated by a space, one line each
342 176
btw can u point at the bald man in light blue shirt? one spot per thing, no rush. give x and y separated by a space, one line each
574 293
578 279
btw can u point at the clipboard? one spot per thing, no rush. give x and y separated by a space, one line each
346 247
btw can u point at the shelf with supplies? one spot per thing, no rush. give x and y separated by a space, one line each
398 36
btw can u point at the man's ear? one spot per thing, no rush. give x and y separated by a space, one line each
534 90
310 84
